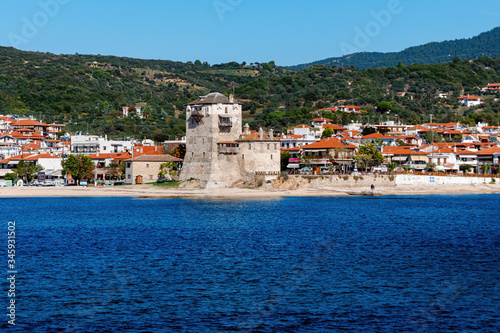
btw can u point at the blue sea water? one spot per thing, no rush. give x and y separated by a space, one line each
360 264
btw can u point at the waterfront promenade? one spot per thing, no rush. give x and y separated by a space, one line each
295 186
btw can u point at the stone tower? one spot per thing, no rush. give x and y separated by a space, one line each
213 123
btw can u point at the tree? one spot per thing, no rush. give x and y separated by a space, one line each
368 156
116 169
80 167
327 133
432 136
430 166
392 166
486 167
26 170
465 167
384 106
167 170
285 157
10 176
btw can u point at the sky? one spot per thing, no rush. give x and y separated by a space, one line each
218 31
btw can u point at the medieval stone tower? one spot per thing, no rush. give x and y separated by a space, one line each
213 123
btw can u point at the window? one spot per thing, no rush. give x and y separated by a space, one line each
147 165
151 177
250 146
242 156
104 148
275 146
226 109
203 154
268 146
129 176
271 156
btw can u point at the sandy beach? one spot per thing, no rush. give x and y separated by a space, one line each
151 191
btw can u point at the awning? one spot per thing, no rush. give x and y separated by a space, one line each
292 166
53 173
13 162
399 158
419 158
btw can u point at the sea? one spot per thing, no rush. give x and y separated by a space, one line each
423 263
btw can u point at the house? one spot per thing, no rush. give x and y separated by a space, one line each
103 160
416 130
337 129
138 110
347 109
145 168
489 156
405 157
469 100
442 95
303 130
294 159
467 157
292 141
445 159
329 152
391 127
492 87
319 122
374 137
91 144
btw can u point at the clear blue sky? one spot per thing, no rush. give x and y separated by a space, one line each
289 32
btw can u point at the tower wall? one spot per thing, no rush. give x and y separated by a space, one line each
206 125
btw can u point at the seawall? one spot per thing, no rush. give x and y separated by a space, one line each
365 181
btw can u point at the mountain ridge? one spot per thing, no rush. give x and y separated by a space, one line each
486 43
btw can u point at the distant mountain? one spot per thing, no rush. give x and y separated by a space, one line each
487 43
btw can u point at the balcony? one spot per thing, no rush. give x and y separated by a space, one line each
228 148
198 114
225 121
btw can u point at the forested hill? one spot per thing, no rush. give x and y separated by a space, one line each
487 43
87 92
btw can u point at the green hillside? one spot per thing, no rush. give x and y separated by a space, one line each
487 43
87 92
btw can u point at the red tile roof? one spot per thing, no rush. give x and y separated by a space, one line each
334 127
321 120
329 143
469 97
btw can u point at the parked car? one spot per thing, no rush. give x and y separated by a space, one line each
305 171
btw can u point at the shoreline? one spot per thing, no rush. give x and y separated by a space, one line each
155 192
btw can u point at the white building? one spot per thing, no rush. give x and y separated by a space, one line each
469 100
91 144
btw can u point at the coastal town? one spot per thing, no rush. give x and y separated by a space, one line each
220 151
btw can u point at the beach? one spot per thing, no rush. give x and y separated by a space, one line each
152 191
